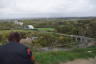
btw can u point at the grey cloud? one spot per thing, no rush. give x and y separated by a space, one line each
47 8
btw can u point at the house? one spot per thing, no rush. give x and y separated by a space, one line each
18 23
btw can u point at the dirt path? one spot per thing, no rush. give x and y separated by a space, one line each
82 61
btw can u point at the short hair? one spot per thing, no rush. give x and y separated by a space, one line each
14 36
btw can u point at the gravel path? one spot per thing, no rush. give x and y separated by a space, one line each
82 61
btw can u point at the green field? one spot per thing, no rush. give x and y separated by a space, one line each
46 29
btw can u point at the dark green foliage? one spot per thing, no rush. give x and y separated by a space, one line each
44 39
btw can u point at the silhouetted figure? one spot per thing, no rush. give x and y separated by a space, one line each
14 52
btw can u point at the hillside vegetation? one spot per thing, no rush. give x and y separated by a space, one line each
48 34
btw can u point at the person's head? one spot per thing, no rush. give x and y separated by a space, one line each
14 37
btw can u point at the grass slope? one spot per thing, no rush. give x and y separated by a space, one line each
55 57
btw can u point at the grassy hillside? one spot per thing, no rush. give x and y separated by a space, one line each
55 57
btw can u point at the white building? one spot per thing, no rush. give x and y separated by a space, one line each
18 23
30 27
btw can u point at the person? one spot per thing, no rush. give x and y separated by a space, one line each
14 52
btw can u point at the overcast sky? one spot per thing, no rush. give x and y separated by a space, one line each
47 8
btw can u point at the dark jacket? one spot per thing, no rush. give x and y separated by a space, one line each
14 53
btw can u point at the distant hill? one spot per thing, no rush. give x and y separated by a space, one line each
66 18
